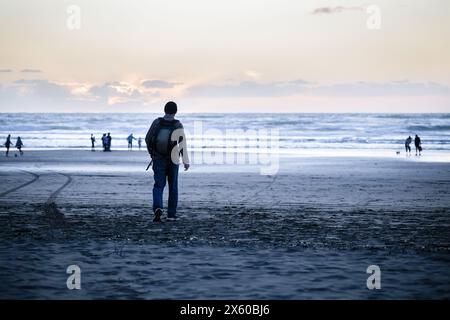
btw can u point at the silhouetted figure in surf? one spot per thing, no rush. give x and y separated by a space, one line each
418 145
104 142
19 145
166 134
130 142
8 144
92 142
407 145
140 143
108 142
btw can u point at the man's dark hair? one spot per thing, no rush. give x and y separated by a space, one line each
170 108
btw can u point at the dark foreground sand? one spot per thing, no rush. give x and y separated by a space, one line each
309 231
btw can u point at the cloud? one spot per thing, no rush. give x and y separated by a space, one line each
31 71
115 88
253 74
43 95
42 89
351 89
250 89
299 82
159 84
338 9
37 93
115 92
393 88
34 95
5 70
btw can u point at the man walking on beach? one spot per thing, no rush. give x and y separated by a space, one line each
108 142
104 141
8 144
165 143
130 142
418 145
19 145
407 145
92 142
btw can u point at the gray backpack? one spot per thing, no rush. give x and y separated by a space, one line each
162 141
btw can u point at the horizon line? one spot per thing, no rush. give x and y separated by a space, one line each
199 112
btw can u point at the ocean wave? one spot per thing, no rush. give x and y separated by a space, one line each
319 131
429 128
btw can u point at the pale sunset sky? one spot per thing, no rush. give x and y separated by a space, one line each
225 56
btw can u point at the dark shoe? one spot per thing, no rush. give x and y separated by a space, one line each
158 214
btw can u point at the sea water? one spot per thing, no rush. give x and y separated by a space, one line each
296 134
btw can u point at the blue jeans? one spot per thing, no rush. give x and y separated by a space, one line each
164 169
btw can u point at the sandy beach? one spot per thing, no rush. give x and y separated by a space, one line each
315 137
307 232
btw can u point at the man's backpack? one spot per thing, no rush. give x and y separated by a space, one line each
162 138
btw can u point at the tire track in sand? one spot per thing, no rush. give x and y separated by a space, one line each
55 194
35 177
55 217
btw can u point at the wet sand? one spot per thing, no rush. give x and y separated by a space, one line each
309 231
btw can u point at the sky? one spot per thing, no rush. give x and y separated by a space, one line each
225 56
